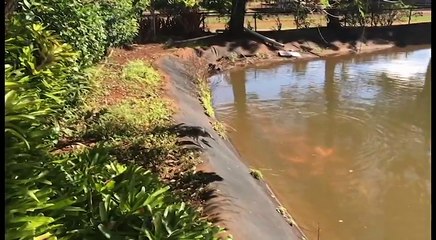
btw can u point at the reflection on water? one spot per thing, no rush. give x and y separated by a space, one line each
344 142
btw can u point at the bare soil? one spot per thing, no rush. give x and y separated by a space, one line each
225 52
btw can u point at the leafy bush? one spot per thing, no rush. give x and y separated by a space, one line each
78 22
42 76
91 196
122 21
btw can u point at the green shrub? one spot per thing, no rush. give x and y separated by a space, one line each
91 196
256 174
78 22
122 22
42 76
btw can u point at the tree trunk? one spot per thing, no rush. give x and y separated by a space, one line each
333 22
236 24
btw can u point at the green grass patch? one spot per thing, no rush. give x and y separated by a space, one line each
257 174
143 72
205 95
220 128
130 117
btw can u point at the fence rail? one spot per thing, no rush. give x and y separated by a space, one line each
281 20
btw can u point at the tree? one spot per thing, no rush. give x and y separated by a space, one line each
236 24
332 19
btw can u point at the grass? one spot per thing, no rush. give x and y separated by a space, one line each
205 95
131 117
220 128
257 174
140 71
127 114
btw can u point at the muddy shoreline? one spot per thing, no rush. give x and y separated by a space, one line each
245 206
226 53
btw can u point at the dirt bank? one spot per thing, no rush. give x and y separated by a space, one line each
312 43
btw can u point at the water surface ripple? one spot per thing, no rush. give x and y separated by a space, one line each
344 142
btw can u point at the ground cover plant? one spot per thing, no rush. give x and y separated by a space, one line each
81 165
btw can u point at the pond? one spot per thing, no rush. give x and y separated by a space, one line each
344 142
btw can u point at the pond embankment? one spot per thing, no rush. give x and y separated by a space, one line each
225 52
242 204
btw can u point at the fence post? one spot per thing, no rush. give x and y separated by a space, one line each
154 24
410 15
203 19
255 21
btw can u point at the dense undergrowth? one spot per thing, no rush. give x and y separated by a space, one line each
89 151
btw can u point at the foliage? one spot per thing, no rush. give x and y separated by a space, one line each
183 17
175 6
220 128
77 22
42 75
206 97
86 194
301 14
361 13
221 6
129 118
121 21
91 196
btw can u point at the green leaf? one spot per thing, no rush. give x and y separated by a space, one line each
44 236
104 230
61 204
74 209
102 212
31 193
325 3
18 135
33 222
152 198
157 222
26 3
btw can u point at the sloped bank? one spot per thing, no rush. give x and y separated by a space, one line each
225 52
241 203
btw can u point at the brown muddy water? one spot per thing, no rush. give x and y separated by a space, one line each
343 142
